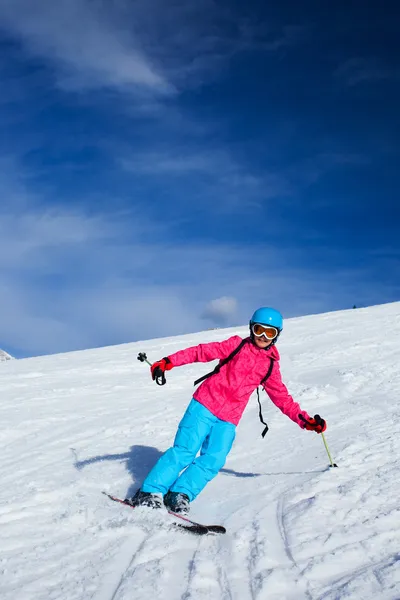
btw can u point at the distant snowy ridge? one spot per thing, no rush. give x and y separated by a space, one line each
5 356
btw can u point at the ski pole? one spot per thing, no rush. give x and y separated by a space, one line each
329 454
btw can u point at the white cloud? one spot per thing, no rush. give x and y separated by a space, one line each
148 47
89 49
156 163
221 310
217 179
27 322
356 71
29 239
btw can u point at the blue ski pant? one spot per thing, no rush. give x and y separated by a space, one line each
180 469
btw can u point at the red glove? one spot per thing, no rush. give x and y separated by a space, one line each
316 424
158 370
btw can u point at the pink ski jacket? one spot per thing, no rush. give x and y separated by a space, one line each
227 393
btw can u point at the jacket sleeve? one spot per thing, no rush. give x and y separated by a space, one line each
205 352
278 393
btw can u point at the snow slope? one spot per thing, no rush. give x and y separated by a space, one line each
4 355
75 424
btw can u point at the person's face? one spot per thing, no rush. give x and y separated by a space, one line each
262 342
263 335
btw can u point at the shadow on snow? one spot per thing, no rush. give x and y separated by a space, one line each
139 460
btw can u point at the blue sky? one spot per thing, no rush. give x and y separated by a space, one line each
169 167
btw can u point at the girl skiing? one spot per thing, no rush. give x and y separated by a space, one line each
210 420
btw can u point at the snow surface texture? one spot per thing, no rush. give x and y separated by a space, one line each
75 424
4 356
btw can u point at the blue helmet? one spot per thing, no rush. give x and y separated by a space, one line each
268 316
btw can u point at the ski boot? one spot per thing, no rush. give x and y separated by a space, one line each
177 502
145 499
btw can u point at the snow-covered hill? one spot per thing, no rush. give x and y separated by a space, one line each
4 355
75 424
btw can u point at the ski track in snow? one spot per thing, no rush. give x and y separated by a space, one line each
74 424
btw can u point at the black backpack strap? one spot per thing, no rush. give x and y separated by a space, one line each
271 366
223 362
264 379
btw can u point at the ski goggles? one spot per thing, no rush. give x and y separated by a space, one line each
266 330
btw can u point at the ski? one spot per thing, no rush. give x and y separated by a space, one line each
191 526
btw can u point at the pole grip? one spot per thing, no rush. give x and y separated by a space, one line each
142 357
